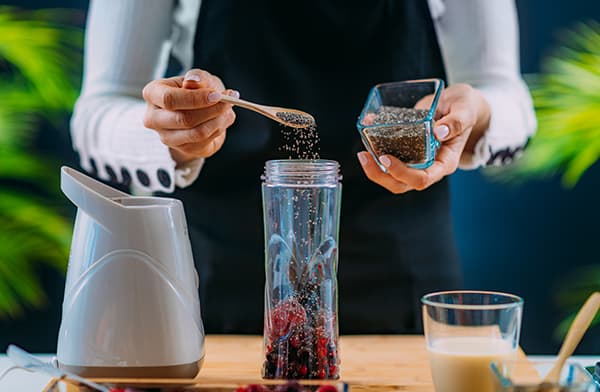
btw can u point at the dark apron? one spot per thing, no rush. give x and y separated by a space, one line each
321 56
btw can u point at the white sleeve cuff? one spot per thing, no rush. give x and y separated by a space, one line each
512 124
187 173
113 144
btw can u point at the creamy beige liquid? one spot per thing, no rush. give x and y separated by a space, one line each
462 364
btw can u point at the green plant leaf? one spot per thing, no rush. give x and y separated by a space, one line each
27 38
573 292
40 75
27 211
566 96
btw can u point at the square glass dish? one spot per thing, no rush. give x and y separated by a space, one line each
397 119
526 376
595 372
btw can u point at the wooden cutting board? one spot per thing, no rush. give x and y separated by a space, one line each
369 363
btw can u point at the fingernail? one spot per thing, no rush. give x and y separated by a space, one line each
235 94
362 158
441 132
214 97
385 161
192 76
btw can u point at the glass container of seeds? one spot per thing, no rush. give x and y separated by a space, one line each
527 376
397 119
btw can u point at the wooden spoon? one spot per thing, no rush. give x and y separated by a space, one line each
580 324
289 117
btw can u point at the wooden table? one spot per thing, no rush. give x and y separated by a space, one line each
379 363
369 363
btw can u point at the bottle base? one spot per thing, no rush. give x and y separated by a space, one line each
186 370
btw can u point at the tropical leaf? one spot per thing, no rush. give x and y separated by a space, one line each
28 37
40 61
17 118
567 101
27 211
22 248
574 291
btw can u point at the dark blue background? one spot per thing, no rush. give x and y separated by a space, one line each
526 239
523 239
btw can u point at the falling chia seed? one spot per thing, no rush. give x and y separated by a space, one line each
407 142
301 142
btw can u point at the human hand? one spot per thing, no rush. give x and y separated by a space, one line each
187 114
462 116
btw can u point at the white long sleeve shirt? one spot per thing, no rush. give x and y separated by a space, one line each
128 44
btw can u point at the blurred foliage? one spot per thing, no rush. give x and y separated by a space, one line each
576 289
566 96
40 62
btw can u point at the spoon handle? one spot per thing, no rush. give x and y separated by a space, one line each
580 324
248 105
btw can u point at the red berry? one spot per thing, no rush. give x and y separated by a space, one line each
321 373
303 371
287 315
327 388
295 341
256 388
332 370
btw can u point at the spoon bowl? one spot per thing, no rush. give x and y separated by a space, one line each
289 117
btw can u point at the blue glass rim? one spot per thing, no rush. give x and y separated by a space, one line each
572 367
439 86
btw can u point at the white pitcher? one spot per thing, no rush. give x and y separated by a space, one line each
131 306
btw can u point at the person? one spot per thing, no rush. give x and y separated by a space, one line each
134 126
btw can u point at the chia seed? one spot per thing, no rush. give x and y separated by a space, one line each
301 142
295 118
407 142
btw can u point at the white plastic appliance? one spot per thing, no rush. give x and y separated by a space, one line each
131 306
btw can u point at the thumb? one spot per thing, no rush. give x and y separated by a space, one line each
193 78
453 124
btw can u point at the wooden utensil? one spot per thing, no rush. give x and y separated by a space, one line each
576 331
289 117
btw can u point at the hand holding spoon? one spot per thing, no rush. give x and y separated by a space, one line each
289 117
580 324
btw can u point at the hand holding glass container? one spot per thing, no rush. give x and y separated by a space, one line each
398 120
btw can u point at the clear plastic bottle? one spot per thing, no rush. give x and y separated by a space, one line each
301 207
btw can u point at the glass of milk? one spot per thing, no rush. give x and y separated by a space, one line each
465 332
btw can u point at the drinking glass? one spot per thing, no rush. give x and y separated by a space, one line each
465 332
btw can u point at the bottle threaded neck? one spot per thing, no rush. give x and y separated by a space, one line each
302 172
